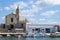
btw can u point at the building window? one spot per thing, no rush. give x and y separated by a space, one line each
47 30
3 25
11 19
21 25
12 26
33 30
37 29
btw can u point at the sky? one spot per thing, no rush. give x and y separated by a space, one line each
35 11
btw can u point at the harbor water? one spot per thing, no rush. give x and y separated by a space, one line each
21 38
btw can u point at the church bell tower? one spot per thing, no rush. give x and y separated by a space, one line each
17 14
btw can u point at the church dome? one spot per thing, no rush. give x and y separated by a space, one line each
22 19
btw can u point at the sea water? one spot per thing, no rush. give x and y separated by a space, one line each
22 38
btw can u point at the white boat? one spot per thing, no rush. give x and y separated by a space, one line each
8 35
19 36
48 34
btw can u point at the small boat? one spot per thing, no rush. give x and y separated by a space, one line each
8 35
19 36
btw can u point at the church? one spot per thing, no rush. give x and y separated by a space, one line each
14 22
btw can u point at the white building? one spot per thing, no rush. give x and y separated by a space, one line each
46 28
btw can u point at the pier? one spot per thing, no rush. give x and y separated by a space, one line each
11 33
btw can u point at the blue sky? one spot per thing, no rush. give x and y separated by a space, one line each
35 11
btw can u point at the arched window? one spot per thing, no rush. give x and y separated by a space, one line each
11 19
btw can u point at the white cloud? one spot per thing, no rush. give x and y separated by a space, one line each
54 2
27 13
54 22
42 19
31 2
14 6
3 17
32 20
7 8
38 4
30 12
49 13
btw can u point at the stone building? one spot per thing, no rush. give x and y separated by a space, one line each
14 22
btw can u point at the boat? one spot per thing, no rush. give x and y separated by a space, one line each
8 35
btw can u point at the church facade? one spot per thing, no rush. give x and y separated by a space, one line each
14 22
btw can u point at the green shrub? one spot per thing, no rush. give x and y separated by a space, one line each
53 35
